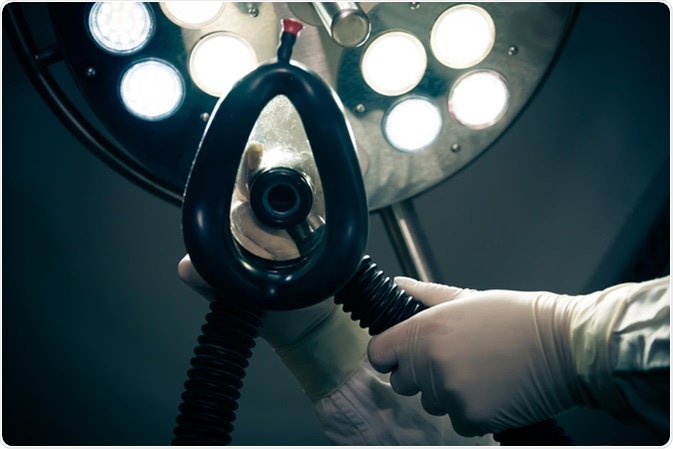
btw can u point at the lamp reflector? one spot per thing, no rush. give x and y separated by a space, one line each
479 99
412 124
152 89
219 60
394 63
120 27
192 14
462 36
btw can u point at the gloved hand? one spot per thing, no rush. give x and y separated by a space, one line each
498 359
320 344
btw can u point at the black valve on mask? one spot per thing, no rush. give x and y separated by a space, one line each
281 197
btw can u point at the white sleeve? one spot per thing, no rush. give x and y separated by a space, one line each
365 410
640 353
355 404
621 346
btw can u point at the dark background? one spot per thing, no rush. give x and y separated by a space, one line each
97 330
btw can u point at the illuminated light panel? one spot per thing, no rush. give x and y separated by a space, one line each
120 27
479 99
192 14
152 90
462 36
219 60
394 63
412 124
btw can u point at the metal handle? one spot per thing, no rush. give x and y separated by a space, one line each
345 22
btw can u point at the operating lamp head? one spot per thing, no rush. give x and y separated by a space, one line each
411 77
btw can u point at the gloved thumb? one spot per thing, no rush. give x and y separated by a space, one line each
430 293
188 274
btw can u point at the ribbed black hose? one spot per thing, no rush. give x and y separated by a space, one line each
218 367
375 300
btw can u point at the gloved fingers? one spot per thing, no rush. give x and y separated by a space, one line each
464 427
430 293
252 156
382 357
431 405
403 382
384 349
264 242
188 274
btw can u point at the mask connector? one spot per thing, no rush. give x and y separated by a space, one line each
288 37
281 197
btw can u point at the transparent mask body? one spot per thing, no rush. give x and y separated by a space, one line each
277 140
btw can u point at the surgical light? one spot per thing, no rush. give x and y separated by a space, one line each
151 89
143 95
401 56
120 27
394 63
479 99
219 60
192 14
462 36
412 124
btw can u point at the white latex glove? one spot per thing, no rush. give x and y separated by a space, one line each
320 344
498 359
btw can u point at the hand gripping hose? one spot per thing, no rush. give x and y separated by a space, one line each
377 303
